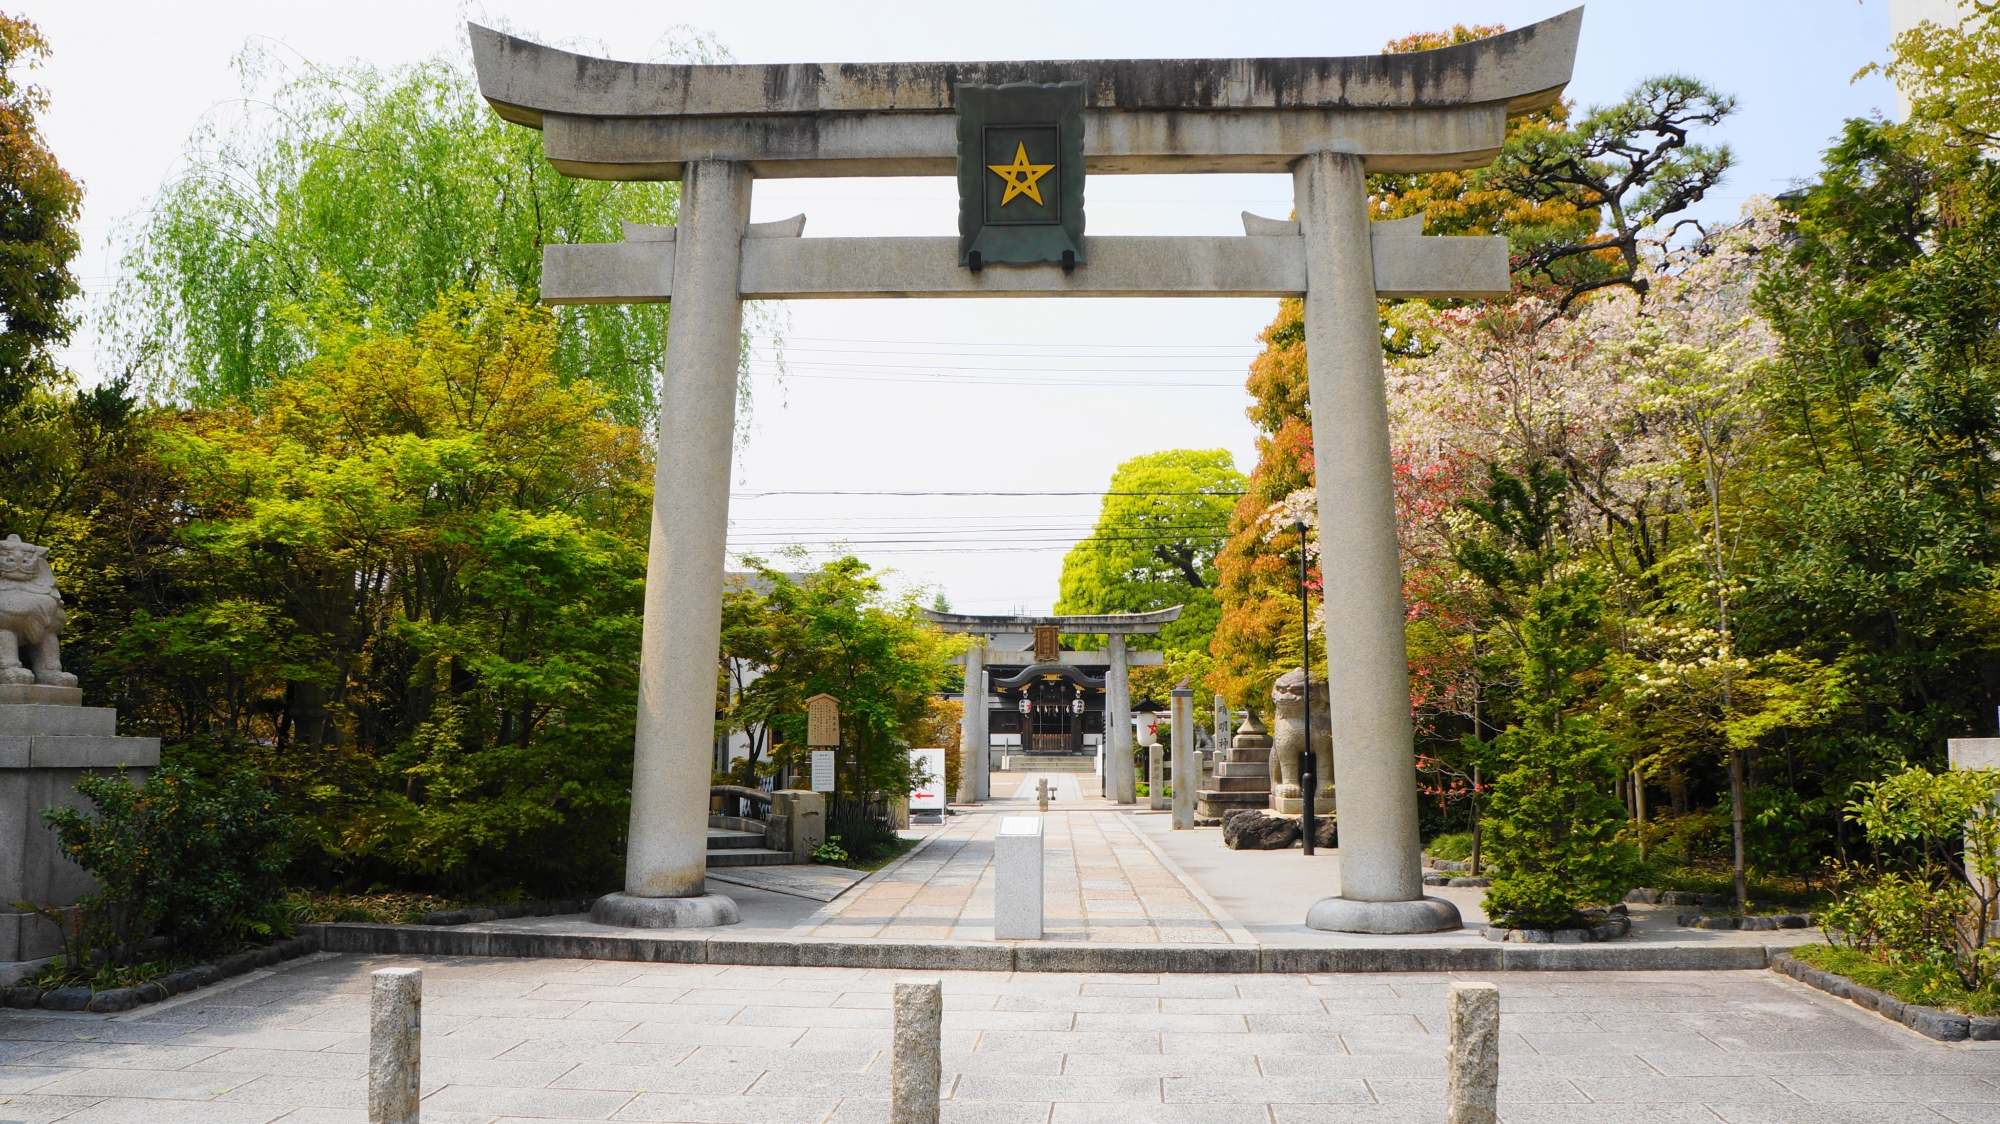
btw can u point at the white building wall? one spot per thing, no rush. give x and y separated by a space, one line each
1906 14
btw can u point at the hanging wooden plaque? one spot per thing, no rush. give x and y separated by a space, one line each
1048 643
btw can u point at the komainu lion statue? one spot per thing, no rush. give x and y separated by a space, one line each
1288 736
31 617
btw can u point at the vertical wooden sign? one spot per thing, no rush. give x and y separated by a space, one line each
822 720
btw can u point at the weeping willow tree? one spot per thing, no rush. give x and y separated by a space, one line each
358 195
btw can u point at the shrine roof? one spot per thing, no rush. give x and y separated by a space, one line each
1526 69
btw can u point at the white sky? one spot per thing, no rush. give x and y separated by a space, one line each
970 396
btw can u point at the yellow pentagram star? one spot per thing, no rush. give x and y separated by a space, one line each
1021 176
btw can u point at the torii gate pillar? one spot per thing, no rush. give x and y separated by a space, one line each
1367 661
666 864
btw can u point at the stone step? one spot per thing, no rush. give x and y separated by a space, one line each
1243 769
749 856
722 839
29 719
1248 756
1209 804
1028 763
1244 784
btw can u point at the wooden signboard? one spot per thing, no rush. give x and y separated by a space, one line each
1048 643
822 720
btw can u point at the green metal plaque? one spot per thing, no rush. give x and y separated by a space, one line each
1020 174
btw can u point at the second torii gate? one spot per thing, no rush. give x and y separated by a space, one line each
974 779
1329 122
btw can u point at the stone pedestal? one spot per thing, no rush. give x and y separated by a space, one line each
1017 879
1323 805
805 820
48 740
1976 753
1242 775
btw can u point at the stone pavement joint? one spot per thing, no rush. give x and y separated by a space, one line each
518 1040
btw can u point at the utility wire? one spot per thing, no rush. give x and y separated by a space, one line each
832 492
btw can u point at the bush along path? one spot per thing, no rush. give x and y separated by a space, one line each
1931 1022
112 1000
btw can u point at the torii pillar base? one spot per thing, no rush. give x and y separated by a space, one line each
1344 915
633 912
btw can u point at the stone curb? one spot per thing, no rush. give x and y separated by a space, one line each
1028 956
1764 922
1930 1022
113 1000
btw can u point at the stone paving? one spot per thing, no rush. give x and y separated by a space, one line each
1102 882
542 1040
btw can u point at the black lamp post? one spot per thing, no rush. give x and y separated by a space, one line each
1308 760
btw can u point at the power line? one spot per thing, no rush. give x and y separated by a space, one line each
973 380
791 350
790 492
789 339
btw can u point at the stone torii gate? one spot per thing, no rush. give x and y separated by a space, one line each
1327 121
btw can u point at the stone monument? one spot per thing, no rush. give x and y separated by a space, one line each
1288 739
48 740
1329 122
1242 774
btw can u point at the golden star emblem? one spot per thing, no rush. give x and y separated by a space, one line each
1021 176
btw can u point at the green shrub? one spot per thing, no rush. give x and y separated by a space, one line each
1905 919
1551 827
201 863
1944 829
1456 847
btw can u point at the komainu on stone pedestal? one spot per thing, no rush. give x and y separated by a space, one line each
31 617
1288 737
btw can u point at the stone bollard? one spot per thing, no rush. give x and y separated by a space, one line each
395 1045
1017 879
1472 1053
913 1053
1156 779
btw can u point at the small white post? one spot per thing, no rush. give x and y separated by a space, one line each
395 1045
1472 1053
913 1052
1156 780
1017 879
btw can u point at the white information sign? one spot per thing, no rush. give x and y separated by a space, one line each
822 770
929 796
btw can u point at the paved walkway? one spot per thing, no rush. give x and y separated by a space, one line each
1124 876
1103 881
542 1040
